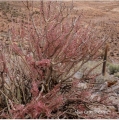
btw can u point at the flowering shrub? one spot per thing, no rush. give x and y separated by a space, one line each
56 43
45 52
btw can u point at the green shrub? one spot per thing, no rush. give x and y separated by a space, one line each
113 68
116 75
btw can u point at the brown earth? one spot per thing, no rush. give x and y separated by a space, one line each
103 15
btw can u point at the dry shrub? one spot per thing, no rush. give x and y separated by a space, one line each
44 53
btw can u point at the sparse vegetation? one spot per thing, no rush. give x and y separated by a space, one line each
5 7
113 68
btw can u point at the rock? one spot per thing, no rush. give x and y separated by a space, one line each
83 85
78 75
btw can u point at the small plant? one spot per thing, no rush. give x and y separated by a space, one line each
113 68
116 75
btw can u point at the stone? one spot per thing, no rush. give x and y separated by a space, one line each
78 75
